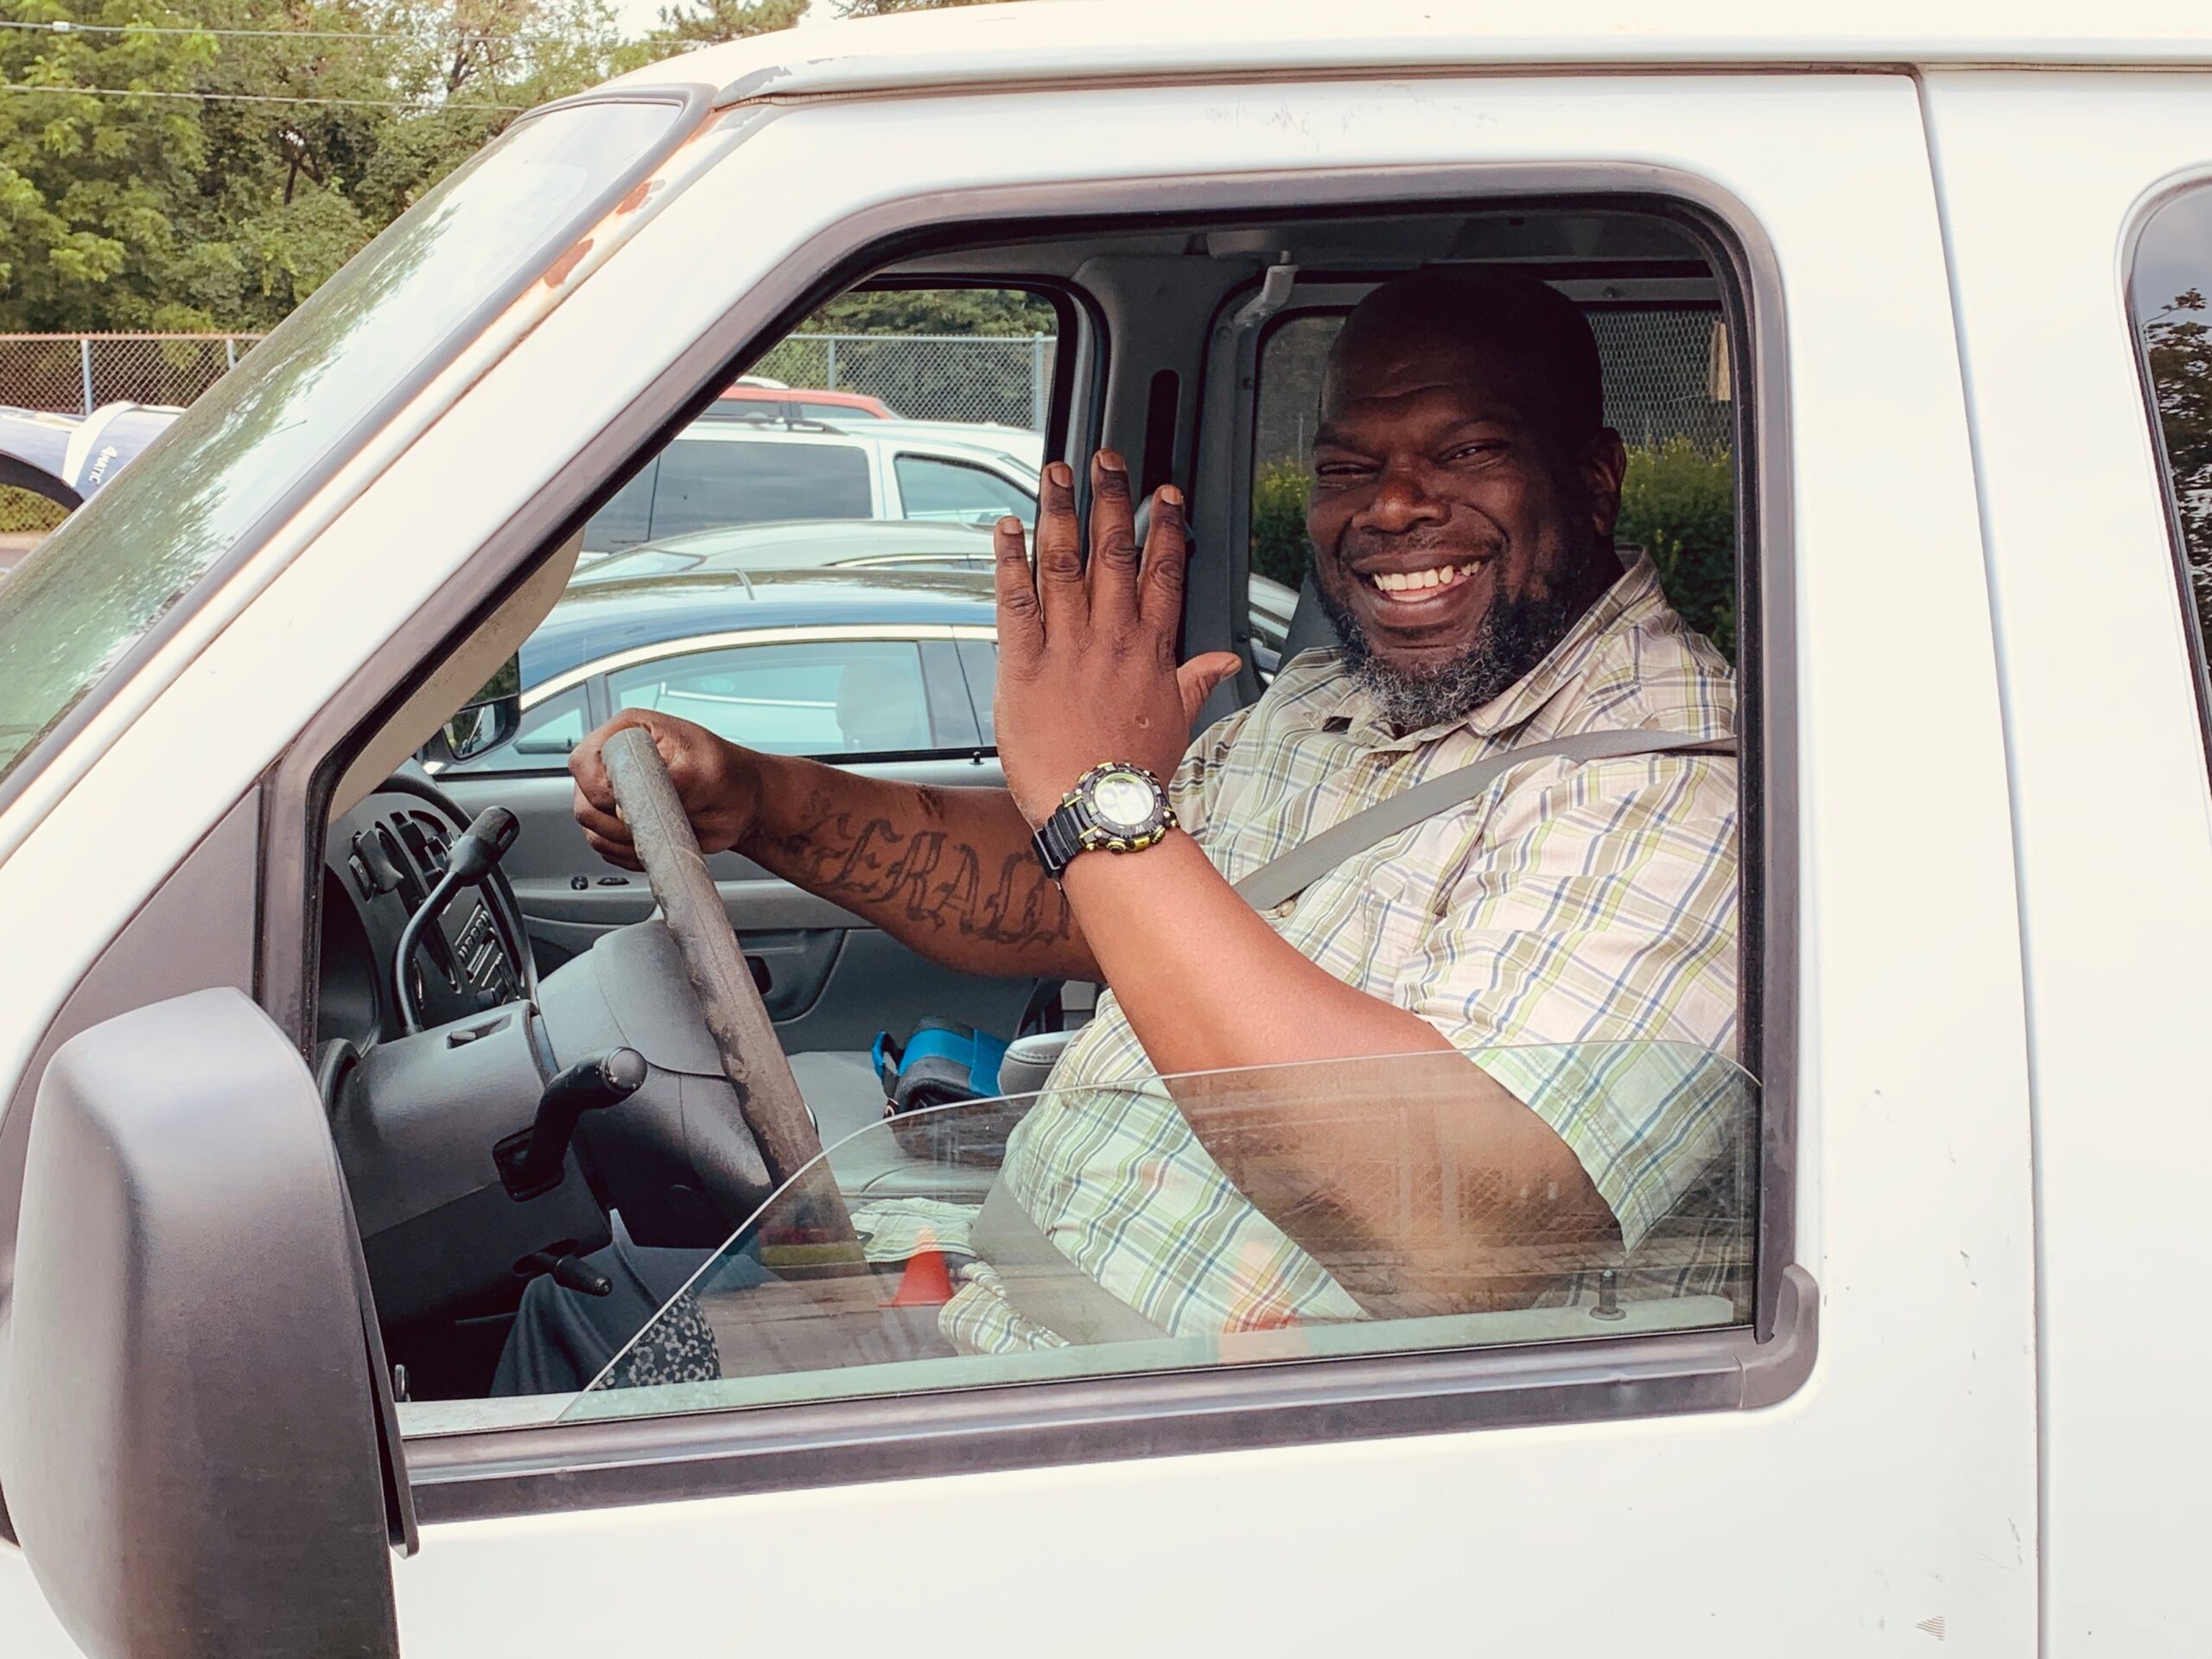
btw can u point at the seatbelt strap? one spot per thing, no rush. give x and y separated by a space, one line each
1290 873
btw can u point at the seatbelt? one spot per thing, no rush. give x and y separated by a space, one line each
1290 873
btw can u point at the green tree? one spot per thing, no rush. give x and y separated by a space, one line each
204 200
2180 351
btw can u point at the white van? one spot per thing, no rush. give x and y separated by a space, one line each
1920 288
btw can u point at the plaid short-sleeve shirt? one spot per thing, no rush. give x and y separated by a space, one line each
1570 908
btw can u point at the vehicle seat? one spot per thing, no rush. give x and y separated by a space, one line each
1309 624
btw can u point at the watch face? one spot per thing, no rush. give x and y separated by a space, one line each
1122 800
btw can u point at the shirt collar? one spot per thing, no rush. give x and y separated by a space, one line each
1340 702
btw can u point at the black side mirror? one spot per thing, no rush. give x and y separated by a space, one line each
196 1452
481 724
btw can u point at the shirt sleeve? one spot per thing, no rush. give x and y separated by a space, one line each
1586 956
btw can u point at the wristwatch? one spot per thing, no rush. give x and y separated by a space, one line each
1114 808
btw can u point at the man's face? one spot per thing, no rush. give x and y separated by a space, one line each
1456 537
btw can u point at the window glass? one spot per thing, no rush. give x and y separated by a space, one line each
836 412
1668 392
708 480
399 311
933 488
1292 1212
626 520
981 658
817 697
2173 273
742 523
952 721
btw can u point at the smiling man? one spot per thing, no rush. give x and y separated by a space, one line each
1465 493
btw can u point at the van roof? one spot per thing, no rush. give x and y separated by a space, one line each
1041 42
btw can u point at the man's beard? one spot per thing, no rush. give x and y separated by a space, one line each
1516 633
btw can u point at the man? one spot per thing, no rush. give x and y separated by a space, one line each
1464 495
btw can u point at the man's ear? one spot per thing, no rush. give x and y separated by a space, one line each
1605 462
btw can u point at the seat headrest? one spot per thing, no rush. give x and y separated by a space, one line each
877 709
1309 624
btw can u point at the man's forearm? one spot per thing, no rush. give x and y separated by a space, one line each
1209 989
946 871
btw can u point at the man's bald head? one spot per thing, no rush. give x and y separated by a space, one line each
1496 324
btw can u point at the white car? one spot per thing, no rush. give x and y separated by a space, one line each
724 471
301 1081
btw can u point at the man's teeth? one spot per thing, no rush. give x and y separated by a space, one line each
1403 581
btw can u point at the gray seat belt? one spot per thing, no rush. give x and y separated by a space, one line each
1290 873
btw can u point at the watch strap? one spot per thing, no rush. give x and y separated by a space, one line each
1060 838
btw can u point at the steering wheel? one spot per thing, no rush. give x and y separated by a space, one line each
752 1059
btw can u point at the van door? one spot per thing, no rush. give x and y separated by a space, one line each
2089 414
1856 1460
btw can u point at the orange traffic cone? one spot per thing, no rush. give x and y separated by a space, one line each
927 1281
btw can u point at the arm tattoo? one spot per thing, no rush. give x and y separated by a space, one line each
924 875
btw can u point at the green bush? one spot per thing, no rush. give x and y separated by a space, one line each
1678 503
22 512
1279 550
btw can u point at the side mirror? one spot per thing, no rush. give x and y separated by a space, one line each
481 724
196 1453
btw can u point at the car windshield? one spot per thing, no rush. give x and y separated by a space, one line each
307 395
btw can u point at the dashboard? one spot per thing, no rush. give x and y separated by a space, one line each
380 861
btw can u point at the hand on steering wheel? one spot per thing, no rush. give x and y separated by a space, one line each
652 814
719 790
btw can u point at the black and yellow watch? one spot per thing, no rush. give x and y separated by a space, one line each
1114 808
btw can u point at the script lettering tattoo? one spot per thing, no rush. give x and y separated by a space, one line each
925 875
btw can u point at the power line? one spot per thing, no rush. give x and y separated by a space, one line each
64 26
268 97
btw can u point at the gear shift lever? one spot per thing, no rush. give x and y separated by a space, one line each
532 1162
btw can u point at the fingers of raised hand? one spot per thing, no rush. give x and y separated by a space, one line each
1166 552
1059 550
1114 553
1021 623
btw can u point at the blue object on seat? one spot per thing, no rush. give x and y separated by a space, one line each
942 1062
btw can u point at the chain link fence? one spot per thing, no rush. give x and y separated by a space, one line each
1668 380
75 374
922 377
1006 379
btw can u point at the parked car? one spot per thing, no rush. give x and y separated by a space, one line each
820 662
66 458
798 544
751 399
877 543
719 472
302 1080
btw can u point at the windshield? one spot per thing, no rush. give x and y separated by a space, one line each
306 396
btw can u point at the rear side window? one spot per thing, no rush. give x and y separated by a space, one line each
2172 276
705 483
823 697
959 493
